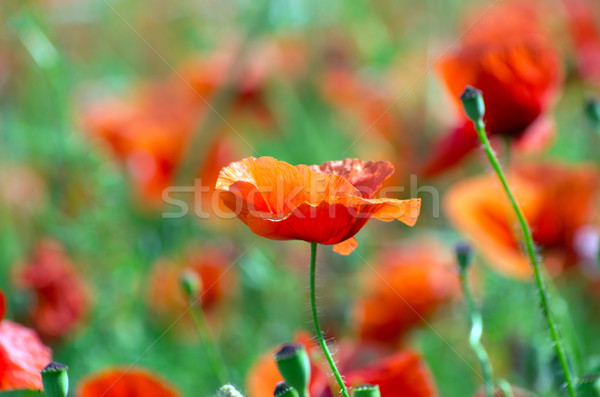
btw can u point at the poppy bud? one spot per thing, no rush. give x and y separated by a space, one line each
367 391
294 365
191 284
228 391
592 110
464 254
472 101
284 390
55 380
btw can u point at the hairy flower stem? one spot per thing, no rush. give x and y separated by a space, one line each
539 277
315 316
215 361
475 335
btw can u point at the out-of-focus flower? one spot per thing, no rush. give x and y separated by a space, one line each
60 298
512 61
586 38
407 286
125 382
21 188
150 134
22 355
211 264
402 374
326 204
557 201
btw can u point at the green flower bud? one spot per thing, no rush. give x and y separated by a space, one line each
473 104
284 390
228 391
464 254
55 380
191 284
367 391
294 365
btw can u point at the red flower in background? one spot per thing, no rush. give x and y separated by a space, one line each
407 287
22 355
510 59
60 296
125 382
583 27
557 201
326 204
400 375
150 135
211 264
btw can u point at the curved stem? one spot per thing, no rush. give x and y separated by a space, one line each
539 277
215 361
475 336
315 316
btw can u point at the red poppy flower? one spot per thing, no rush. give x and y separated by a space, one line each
408 286
60 296
209 263
22 355
123 382
586 38
326 204
400 375
519 73
557 201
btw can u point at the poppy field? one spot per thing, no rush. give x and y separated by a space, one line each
300 199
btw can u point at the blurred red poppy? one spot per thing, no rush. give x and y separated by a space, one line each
510 59
125 382
586 38
149 136
211 264
557 201
400 375
406 287
60 299
22 355
326 204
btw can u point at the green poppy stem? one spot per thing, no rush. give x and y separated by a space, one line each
315 316
529 245
475 334
215 361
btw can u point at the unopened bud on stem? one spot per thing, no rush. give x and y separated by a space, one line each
294 365
55 380
367 391
284 390
472 101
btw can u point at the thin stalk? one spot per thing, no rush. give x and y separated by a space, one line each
539 277
315 316
215 361
475 335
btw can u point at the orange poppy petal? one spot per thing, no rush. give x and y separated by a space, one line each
333 220
22 357
279 186
366 176
345 247
403 374
120 382
479 208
